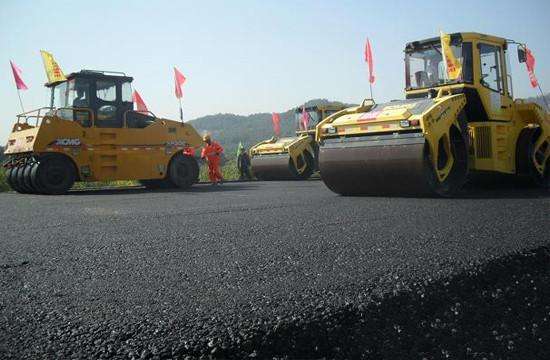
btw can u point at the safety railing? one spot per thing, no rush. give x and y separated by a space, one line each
36 114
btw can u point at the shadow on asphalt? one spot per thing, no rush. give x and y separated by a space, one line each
504 188
206 188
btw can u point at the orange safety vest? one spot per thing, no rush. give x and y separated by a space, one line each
212 152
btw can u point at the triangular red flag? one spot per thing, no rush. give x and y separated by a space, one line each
369 61
179 79
305 118
140 104
276 119
530 62
19 83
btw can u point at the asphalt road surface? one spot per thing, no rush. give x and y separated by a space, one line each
278 270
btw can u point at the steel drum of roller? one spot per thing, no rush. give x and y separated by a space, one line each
272 167
374 167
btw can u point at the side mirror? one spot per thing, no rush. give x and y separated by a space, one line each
521 55
106 112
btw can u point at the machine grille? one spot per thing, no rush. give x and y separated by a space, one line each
483 142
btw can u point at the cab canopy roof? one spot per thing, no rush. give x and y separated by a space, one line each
116 76
456 38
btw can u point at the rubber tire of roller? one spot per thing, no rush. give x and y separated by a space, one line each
13 178
21 180
183 171
7 174
27 178
58 169
16 179
38 188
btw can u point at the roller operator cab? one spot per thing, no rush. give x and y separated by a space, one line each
91 133
291 158
443 132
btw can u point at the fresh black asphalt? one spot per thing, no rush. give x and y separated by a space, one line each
274 270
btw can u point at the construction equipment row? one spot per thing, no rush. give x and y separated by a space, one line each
445 132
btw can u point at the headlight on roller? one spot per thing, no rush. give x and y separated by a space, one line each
404 123
330 130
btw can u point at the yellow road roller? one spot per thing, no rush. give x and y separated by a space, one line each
90 132
291 158
444 131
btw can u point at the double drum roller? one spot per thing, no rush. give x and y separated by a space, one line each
292 158
444 131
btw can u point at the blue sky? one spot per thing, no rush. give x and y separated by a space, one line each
247 56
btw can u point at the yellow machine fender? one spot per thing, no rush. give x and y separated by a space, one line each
541 150
437 130
297 151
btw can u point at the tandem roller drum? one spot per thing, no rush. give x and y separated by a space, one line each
375 166
272 167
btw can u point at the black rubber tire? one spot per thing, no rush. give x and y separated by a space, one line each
16 180
310 167
21 180
27 178
183 171
8 172
56 174
38 188
13 178
459 172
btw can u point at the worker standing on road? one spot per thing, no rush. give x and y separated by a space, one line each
212 151
243 163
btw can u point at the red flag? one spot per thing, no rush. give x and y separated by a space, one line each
369 61
19 83
140 104
276 119
530 62
179 79
305 118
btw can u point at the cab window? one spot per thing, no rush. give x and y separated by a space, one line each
106 90
491 67
126 92
79 94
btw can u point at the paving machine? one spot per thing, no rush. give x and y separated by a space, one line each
443 131
291 158
91 133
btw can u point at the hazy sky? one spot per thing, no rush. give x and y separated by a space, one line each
247 56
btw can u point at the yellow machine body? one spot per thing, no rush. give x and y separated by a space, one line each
105 141
438 135
290 157
103 154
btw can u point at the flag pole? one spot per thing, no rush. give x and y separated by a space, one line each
541 93
20 101
181 111
370 88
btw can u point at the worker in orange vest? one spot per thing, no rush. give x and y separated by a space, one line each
212 151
